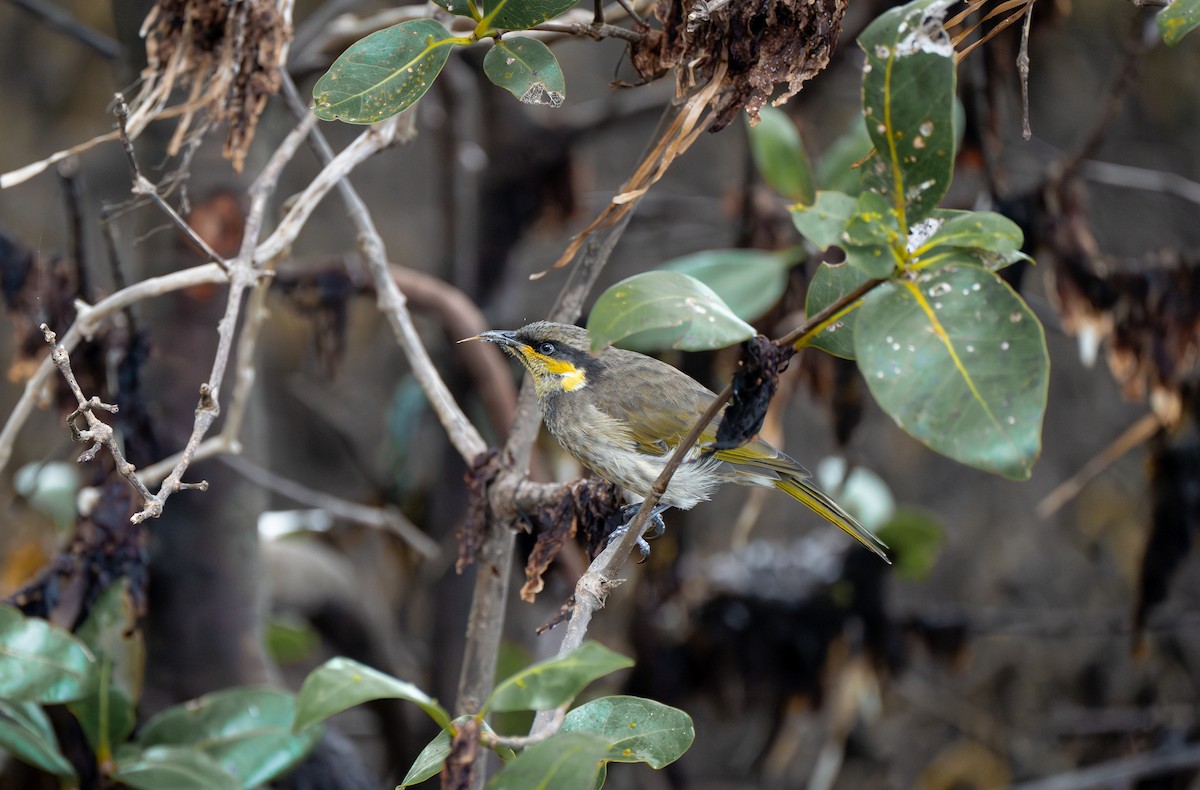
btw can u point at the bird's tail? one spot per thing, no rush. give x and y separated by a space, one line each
819 502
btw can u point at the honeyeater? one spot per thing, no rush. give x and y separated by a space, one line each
622 414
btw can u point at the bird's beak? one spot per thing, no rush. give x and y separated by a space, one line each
495 336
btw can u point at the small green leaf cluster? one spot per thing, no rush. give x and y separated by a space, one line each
609 729
388 71
947 348
232 739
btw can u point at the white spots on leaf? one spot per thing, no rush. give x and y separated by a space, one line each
882 52
925 129
1004 346
928 35
920 232
939 289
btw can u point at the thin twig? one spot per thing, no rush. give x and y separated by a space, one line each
1138 433
242 274
390 519
87 320
144 186
463 435
1130 177
1023 72
99 433
593 30
1124 771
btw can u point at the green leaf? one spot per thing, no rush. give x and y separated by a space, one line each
173 767
908 103
526 68
566 761
837 169
384 73
871 235
26 734
431 759
637 730
1177 20
959 361
828 285
977 238
108 714
914 538
342 683
457 7
825 220
523 14
780 157
556 681
40 662
245 730
750 282
686 311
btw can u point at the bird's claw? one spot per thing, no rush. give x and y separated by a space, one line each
655 529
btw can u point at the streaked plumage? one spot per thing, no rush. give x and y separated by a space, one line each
621 414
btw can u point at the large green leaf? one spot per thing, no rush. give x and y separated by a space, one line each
780 157
1177 20
557 680
828 285
750 282
342 683
522 14
663 309
526 68
908 103
637 730
245 730
431 759
42 663
384 73
959 361
108 715
172 768
26 734
565 761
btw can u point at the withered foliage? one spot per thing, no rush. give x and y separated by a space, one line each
771 46
1147 313
584 509
226 56
754 384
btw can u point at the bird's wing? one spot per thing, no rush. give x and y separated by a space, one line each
661 411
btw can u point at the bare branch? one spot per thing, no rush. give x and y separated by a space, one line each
1123 771
463 435
144 186
390 519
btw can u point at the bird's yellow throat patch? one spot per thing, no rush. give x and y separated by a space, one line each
570 378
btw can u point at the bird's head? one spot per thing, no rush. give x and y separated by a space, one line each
556 355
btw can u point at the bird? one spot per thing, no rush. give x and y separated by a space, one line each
622 414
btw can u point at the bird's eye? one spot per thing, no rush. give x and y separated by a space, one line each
546 348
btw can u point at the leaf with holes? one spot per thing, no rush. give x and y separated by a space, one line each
959 362
342 683
526 68
42 663
384 73
908 103
661 309
780 157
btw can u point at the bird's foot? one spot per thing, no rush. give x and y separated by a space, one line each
655 527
